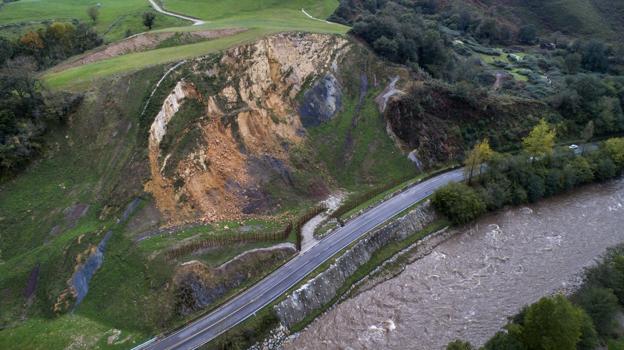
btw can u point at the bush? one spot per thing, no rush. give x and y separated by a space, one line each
459 202
459 345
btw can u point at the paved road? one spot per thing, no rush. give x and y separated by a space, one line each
277 283
196 22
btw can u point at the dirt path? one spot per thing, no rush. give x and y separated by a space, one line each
332 203
312 17
196 22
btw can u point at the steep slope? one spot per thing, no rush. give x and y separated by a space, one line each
227 127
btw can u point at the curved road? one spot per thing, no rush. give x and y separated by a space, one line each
246 304
196 22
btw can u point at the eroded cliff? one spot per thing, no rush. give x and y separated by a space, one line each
227 127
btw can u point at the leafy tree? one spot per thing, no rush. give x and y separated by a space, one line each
595 56
540 141
552 323
601 305
459 345
504 341
615 148
588 131
480 154
459 202
535 187
573 62
527 34
148 19
604 168
93 12
589 337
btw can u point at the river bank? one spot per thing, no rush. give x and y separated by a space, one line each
471 283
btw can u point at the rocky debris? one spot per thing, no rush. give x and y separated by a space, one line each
273 341
389 92
221 161
322 289
321 102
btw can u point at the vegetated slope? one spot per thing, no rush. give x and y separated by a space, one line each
263 126
436 122
589 18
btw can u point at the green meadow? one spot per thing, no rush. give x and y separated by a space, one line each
116 17
260 24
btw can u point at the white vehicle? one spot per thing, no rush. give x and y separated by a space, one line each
574 147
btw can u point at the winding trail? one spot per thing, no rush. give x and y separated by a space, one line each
312 17
155 6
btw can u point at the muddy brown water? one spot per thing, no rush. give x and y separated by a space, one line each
470 284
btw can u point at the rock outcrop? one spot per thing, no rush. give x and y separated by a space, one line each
218 156
322 289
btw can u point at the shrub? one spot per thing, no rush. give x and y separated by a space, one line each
459 345
459 202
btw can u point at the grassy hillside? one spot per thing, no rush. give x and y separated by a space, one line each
218 9
260 22
115 19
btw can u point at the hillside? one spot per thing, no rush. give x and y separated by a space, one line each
149 174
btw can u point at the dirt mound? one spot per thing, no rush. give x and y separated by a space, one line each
140 42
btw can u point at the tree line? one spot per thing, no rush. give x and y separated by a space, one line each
494 180
27 109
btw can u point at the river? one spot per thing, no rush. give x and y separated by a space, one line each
470 284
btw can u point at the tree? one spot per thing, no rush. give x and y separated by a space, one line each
573 62
552 323
93 12
615 148
601 305
595 56
504 341
459 202
480 154
527 34
541 140
588 131
459 345
589 337
148 19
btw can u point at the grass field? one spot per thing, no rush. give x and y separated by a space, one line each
116 16
259 26
219 9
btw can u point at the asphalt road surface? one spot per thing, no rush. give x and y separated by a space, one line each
246 304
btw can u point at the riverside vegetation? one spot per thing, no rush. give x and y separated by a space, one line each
538 171
587 319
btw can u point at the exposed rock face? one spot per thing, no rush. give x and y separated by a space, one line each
323 288
239 139
321 102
